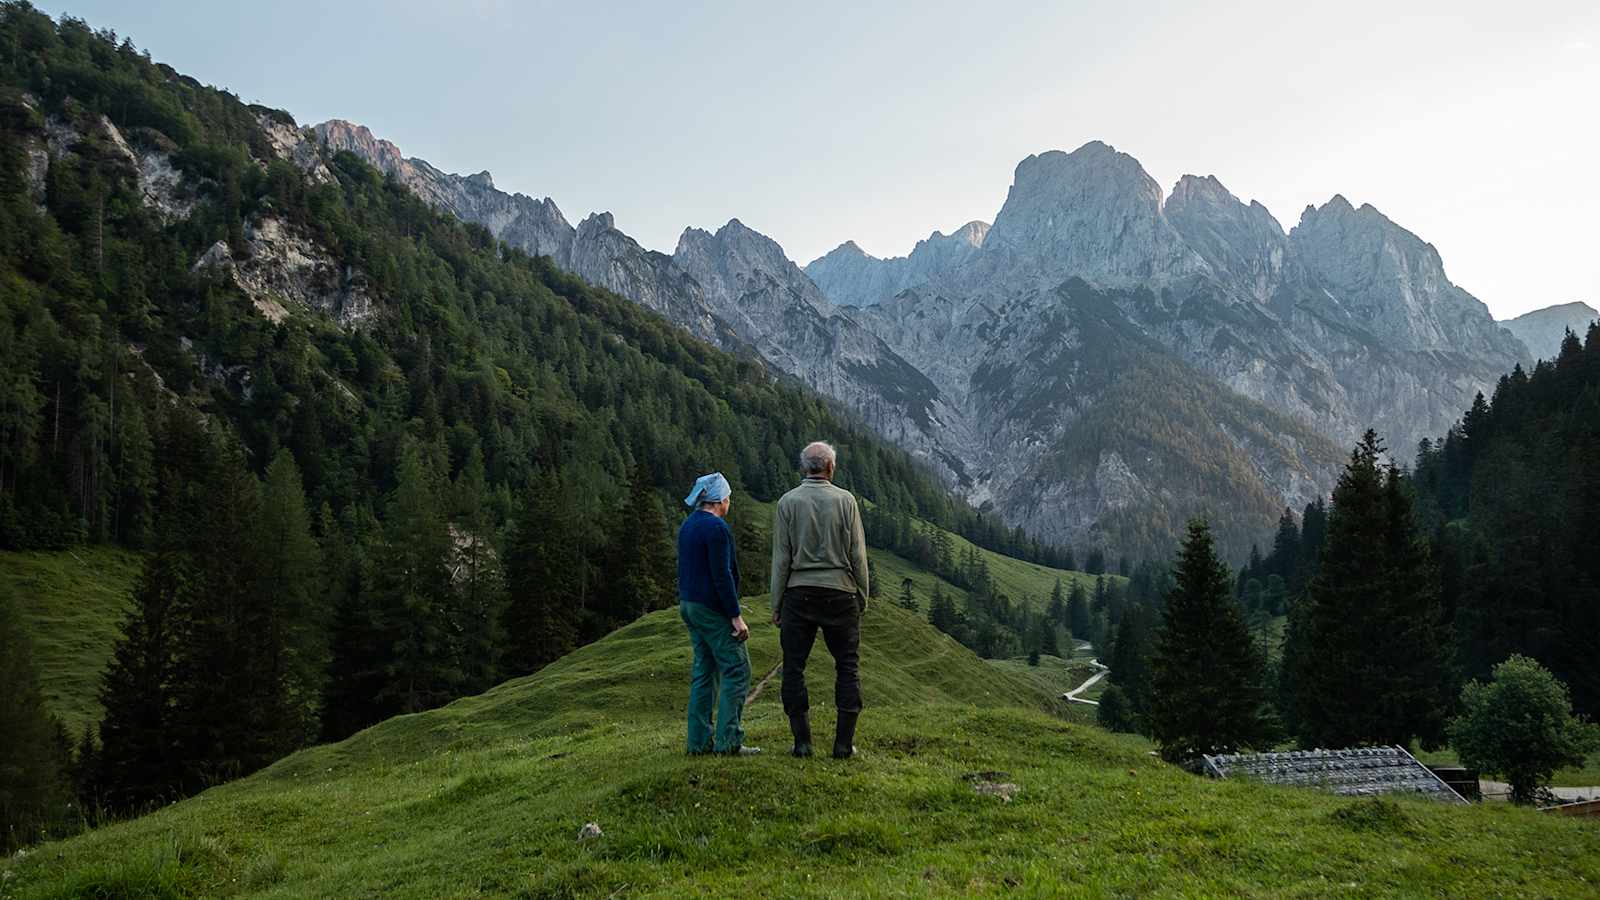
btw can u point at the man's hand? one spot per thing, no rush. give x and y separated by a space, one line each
777 618
741 631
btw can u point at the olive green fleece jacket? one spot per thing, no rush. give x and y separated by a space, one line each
818 541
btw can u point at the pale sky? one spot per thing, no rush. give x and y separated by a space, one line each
1474 124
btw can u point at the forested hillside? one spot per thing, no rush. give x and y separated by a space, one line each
1511 498
374 459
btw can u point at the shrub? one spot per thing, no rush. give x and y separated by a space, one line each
1520 726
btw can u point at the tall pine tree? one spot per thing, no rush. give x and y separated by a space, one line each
33 776
1206 672
293 621
544 611
415 605
640 575
1370 667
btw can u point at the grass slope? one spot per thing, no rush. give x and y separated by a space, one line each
487 796
73 603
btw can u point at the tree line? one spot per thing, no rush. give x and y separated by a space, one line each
1400 597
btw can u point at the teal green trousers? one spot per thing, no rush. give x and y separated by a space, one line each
721 667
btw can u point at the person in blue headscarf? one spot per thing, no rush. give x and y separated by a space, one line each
708 601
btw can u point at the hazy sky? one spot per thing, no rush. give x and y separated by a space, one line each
1476 125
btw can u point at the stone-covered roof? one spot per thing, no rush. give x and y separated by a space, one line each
1363 771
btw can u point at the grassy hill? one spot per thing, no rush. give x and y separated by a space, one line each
488 794
73 602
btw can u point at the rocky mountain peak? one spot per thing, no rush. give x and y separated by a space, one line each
728 262
1393 283
1242 245
339 134
849 249
1199 189
850 276
482 180
1094 213
939 251
597 221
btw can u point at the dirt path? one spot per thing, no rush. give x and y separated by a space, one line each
1092 680
756 691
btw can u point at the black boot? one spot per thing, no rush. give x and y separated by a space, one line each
844 738
800 724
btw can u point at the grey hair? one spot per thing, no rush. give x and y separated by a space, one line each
817 457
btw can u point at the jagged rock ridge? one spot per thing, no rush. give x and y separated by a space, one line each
734 288
1101 362
851 277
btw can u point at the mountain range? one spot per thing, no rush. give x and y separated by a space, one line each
1099 363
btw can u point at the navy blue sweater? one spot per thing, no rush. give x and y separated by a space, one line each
708 569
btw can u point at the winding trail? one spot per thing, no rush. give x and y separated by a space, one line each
1092 680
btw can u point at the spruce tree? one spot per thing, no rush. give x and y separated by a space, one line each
358 665
33 776
1313 532
1206 672
543 615
1050 640
293 621
941 610
230 708
1130 662
415 605
1114 712
1286 546
908 597
137 764
1078 612
1370 667
640 576
1057 610
141 759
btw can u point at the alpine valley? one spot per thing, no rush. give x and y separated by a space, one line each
1096 366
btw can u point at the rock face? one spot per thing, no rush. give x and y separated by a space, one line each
1392 284
536 226
766 300
1543 329
604 256
734 288
282 268
1243 245
851 277
1103 341
1093 213
1100 364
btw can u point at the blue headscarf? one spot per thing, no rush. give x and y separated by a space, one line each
708 489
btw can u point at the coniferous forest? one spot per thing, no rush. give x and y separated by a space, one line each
1414 580
341 522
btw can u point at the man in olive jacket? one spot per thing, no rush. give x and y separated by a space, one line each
819 581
